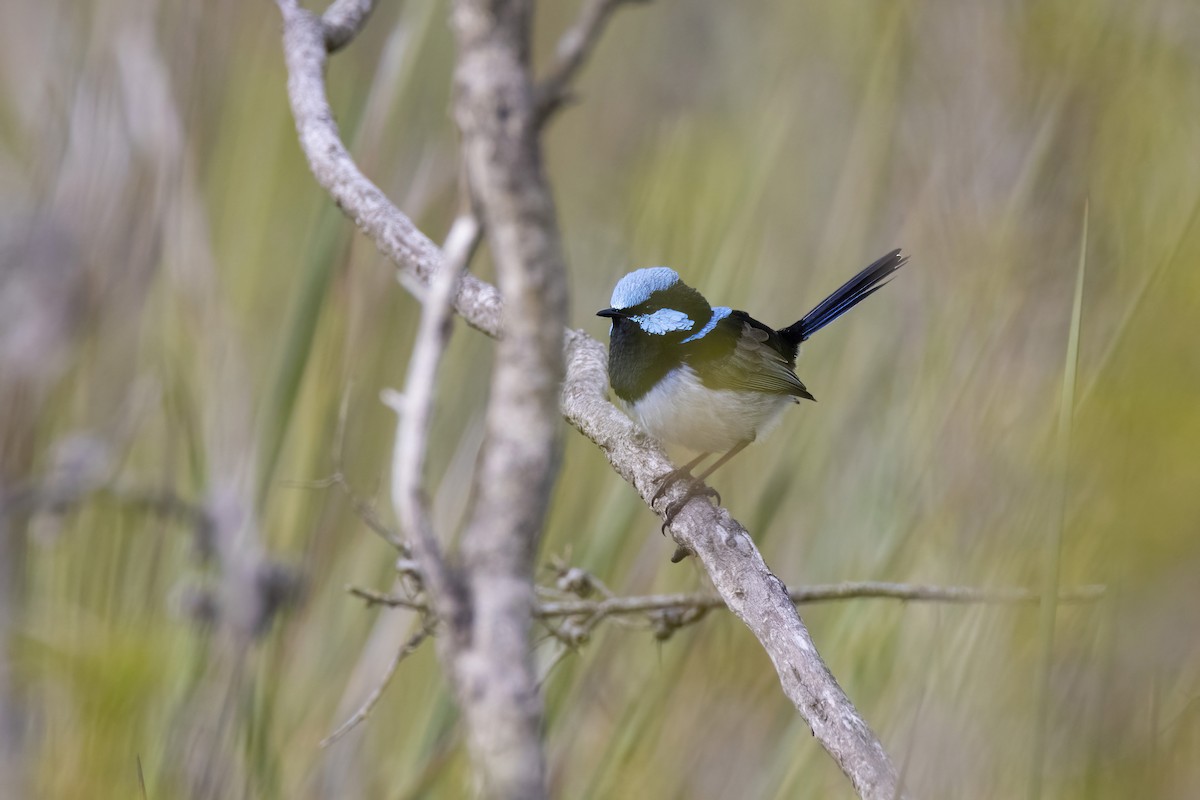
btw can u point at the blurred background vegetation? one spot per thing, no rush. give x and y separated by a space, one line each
184 315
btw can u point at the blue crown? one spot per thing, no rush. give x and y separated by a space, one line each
637 286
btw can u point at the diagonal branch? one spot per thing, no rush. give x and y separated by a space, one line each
343 20
392 232
738 572
368 705
724 548
573 50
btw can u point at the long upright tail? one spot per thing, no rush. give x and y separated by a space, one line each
853 292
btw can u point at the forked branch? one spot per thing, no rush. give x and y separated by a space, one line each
733 563
574 48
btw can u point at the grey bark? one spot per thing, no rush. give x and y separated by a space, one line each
495 111
738 572
524 239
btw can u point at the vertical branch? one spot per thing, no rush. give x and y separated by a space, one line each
487 655
415 411
495 111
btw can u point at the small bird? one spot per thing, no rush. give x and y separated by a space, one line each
709 379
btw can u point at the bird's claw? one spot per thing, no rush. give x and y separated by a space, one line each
696 489
681 553
669 480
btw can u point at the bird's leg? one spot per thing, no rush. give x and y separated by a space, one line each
737 448
698 487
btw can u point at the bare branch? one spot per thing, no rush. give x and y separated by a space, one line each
819 593
722 545
803 595
574 48
374 598
370 517
361 508
392 232
343 20
415 411
668 613
368 705
364 510
737 571
495 676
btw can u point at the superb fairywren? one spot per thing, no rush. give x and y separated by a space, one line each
710 379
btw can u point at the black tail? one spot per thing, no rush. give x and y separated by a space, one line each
853 292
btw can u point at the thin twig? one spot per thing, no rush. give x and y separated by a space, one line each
370 517
819 593
573 50
415 410
804 595
362 509
375 598
567 650
368 705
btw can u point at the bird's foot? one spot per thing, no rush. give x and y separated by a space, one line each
683 474
670 479
696 488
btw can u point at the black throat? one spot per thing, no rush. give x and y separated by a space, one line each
638 360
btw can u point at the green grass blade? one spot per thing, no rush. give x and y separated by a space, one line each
1053 552
276 414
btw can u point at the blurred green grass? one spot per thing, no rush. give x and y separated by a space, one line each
204 314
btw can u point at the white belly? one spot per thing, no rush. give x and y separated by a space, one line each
681 410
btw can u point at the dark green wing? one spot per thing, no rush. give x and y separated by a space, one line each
742 353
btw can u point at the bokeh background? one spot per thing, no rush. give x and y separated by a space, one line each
186 322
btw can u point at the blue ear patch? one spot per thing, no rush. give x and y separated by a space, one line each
637 286
665 320
719 313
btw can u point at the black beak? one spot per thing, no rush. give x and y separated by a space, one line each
610 312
